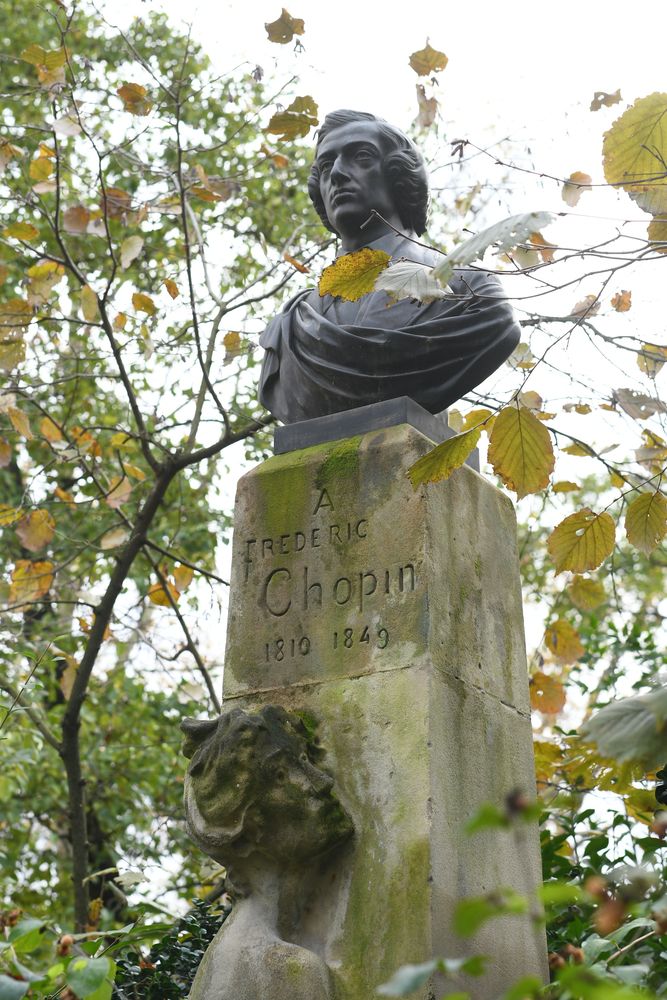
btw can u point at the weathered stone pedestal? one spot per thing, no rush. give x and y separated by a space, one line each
393 618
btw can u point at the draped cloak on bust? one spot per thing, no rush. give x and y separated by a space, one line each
324 355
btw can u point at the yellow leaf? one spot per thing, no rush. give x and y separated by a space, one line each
64 496
36 530
34 54
547 693
578 449
646 521
600 99
134 471
563 641
520 450
119 322
640 804
428 108
443 460
9 515
183 576
547 758
41 168
634 152
284 28
656 233
586 307
116 202
119 491
42 279
112 539
544 249
296 120
574 187
121 440
135 98
582 541
144 303
531 399
67 675
21 231
622 301
618 481
130 250
85 442
564 486
30 580
279 161
5 453
20 422
651 359
586 593
296 264
479 416
7 154
50 430
158 595
76 219
171 287
428 60
12 353
353 274
89 306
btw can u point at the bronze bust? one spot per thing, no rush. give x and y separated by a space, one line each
325 355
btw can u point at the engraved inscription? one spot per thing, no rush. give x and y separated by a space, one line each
283 589
336 590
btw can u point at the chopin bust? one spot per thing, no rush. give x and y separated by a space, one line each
325 355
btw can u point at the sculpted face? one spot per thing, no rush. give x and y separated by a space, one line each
353 182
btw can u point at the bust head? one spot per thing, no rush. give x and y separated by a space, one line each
363 163
253 787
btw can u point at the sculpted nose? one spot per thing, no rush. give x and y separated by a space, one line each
339 171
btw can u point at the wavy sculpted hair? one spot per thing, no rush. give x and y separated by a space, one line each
403 165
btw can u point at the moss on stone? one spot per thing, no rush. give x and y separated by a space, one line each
341 463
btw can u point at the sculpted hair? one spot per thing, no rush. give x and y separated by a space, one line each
403 166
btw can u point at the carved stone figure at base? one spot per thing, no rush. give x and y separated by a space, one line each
257 802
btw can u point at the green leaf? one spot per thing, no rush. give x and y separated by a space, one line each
582 541
408 979
520 450
506 234
27 934
646 521
634 152
489 817
88 976
443 460
470 914
559 893
12 989
632 728
527 987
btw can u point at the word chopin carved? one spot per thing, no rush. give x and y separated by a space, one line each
325 355
258 802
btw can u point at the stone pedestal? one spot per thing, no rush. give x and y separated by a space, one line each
392 618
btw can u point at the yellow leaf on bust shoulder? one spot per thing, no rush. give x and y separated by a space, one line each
353 274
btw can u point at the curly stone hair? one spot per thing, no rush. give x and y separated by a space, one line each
404 168
238 762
